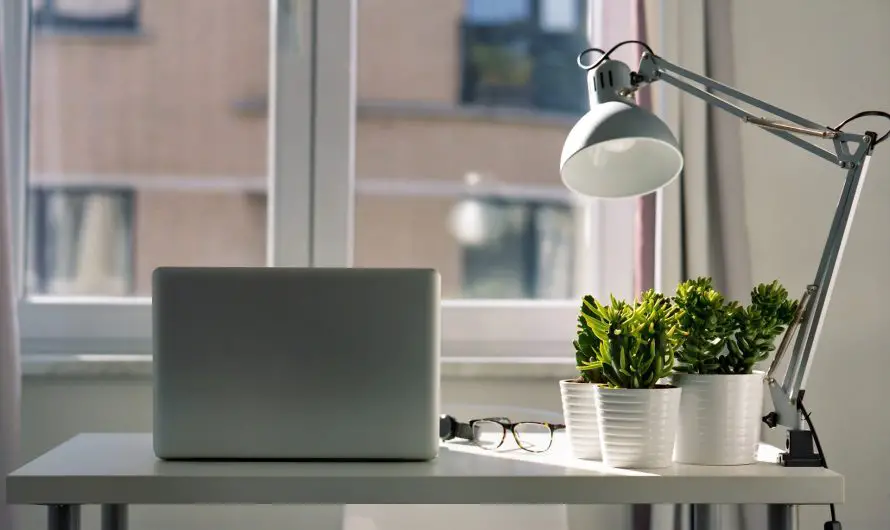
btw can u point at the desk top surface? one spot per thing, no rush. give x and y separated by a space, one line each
122 468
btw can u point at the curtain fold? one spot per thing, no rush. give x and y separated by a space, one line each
644 223
703 228
727 244
10 372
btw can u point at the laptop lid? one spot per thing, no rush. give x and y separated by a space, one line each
291 363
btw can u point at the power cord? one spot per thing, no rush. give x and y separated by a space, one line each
605 55
878 113
833 524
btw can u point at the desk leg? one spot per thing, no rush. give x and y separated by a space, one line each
114 517
63 517
713 517
705 517
781 517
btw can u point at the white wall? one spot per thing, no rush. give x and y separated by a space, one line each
826 60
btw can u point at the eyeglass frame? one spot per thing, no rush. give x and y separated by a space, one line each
506 424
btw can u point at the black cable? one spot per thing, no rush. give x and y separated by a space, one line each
879 113
806 417
608 53
585 52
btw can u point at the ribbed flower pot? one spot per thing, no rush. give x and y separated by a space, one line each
719 419
637 426
579 411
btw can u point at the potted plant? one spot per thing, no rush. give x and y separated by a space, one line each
637 414
578 401
720 344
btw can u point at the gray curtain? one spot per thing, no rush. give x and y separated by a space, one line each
727 244
703 227
10 374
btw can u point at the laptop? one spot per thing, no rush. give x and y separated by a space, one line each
296 364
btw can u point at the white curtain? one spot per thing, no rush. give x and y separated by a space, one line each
10 374
14 35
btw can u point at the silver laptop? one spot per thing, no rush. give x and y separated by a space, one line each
285 363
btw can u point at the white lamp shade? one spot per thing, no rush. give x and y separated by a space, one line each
619 150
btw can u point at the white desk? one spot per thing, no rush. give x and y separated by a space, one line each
115 470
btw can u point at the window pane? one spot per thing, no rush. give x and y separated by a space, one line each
148 140
85 241
458 141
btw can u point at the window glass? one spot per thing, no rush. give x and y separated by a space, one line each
146 149
559 15
457 164
81 242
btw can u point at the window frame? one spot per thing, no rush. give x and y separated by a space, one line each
103 325
311 189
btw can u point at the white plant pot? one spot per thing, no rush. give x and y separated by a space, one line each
637 426
719 419
579 411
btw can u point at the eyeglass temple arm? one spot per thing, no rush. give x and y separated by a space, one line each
815 301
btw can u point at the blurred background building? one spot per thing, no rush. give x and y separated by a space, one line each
149 141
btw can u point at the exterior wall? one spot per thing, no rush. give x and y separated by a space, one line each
158 102
197 229
446 149
408 50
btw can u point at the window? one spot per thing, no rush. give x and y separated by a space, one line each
473 194
137 154
514 53
86 15
161 119
496 235
463 109
224 140
81 242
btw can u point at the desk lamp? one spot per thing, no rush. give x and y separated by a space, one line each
618 149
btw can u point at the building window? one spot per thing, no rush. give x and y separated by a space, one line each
515 249
86 15
81 242
521 53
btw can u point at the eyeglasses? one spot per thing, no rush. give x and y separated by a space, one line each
532 436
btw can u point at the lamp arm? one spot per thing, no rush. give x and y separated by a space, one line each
809 321
654 68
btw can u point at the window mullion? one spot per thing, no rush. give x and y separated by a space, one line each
333 187
291 48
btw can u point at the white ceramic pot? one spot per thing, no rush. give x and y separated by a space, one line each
579 411
637 426
719 419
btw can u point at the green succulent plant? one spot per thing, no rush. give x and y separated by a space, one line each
758 325
586 345
705 322
634 344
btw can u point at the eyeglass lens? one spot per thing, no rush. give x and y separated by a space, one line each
488 434
534 437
